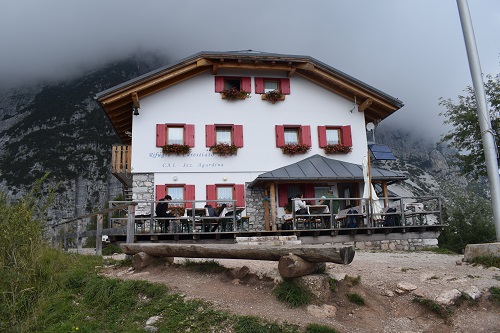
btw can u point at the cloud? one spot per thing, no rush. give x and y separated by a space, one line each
411 49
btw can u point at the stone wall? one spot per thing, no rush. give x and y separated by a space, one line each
143 190
412 244
255 199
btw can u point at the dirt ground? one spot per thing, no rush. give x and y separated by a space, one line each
386 310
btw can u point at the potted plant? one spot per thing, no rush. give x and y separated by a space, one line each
295 148
224 149
273 96
337 149
233 93
176 149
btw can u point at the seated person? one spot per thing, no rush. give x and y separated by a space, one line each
163 211
300 206
210 212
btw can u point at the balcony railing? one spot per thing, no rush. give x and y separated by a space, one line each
120 159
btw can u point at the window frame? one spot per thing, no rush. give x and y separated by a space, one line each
245 83
236 134
283 84
304 133
188 192
162 134
238 193
344 131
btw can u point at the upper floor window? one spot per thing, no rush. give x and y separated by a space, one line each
170 134
265 85
332 135
229 82
293 134
224 133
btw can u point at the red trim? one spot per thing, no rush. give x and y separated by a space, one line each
305 135
210 135
238 135
161 190
285 86
161 135
246 84
308 191
280 135
211 195
322 136
189 194
219 83
346 136
259 85
282 195
189 135
239 195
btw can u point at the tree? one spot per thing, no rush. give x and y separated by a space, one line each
466 133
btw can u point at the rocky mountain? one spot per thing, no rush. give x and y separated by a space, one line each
59 128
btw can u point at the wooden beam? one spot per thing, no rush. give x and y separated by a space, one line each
363 106
272 195
215 69
135 100
311 253
204 62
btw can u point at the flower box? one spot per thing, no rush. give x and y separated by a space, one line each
176 149
337 149
224 149
294 149
233 94
273 96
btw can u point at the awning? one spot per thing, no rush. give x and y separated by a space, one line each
318 168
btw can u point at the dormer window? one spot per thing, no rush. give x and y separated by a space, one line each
264 85
241 83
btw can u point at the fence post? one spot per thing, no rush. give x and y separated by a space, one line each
130 223
78 237
98 236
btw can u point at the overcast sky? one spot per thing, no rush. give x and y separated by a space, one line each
411 49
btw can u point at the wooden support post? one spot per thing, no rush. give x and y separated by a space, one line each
98 236
293 266
130 223
272 196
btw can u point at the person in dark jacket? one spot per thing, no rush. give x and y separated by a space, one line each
163 211
210 212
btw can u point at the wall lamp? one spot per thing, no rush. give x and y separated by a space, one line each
136 110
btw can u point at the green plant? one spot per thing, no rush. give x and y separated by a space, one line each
209 266
176 149
486 261
333 284
433 307
274 96
295 148
290 292
356 298
251 324
234 93
337 149
317 328
494 296
110 249
224 149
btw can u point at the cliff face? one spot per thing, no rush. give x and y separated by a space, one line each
60 129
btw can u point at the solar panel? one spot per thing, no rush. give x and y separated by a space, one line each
381 152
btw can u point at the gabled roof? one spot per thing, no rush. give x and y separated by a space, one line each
118 101
320 168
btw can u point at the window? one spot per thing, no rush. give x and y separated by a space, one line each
265 85
330 135
228 82
224 133
286 191
178 192
293 134
169 134
228 192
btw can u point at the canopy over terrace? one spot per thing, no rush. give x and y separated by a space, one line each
320 169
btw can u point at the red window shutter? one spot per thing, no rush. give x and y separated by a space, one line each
282 195
210 135
161 135
211 195
239 195
189 195
246 84
280 135
305 135
346 136
285 86
161 190
189 135
322 136
259 85
219 83
238 135
308 191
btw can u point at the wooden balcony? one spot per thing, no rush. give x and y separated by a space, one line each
120 163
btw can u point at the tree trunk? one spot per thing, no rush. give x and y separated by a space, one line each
293 266
310 253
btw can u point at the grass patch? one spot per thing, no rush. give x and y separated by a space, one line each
486 261
494 296
356 298
464 298
251 324
317 328
434 307
111 249
209 266
333 285
439 250
290 292
406 269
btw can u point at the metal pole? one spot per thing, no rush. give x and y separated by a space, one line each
488 139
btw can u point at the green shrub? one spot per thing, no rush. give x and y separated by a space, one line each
251 324
290 292
494 296
356 298
209 266
110 249
486 261
317 328
434 307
